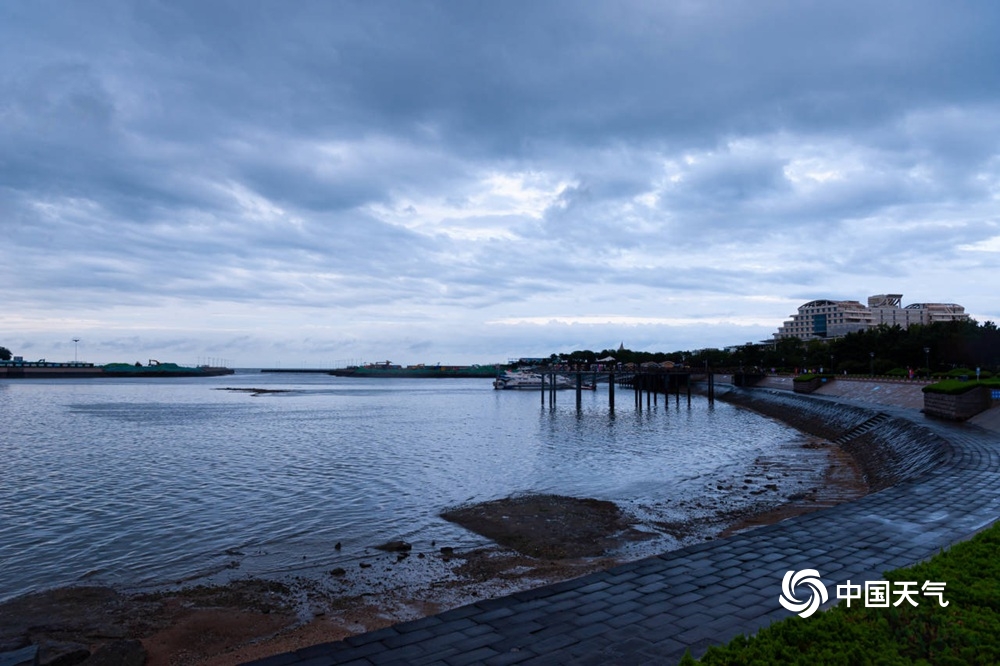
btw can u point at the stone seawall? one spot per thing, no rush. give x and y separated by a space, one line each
888 450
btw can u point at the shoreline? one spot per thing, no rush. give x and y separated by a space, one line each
249 619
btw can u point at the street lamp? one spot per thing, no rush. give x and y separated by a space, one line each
872 354
75 341
927 359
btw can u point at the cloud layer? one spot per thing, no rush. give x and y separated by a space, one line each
462 182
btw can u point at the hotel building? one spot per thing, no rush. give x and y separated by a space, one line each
833 319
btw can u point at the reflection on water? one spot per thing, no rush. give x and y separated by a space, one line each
139 480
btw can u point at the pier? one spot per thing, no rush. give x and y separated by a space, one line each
645 384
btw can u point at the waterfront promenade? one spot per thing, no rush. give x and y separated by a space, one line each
652 610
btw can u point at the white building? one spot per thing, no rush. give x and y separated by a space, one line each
834 319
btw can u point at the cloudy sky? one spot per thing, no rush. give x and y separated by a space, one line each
286 183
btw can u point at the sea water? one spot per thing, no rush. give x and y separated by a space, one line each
138 481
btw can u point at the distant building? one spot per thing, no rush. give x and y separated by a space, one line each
833 319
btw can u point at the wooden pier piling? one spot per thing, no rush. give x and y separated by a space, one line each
650 383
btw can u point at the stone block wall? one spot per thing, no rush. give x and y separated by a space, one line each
807 387
958 407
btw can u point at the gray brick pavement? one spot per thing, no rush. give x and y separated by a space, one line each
652 610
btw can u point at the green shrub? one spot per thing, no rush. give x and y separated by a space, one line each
958 387
809 376
966 372
967 631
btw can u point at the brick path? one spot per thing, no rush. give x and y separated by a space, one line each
650 611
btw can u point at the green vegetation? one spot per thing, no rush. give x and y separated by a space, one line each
966 631
809 376
967 373
958 387
5 354
936 349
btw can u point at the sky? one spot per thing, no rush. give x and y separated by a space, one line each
305 183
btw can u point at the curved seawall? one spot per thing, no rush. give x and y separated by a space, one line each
888 449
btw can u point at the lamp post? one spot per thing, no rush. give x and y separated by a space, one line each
927 360
75 341
872 354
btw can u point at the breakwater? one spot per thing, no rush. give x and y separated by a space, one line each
888 450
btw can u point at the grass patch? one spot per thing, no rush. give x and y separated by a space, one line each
967 631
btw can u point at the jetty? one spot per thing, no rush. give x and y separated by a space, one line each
645 384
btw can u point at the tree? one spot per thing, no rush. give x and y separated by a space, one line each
5 354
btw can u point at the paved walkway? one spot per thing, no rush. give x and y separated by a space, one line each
650 611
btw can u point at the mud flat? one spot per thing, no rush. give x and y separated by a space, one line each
250 618
550 526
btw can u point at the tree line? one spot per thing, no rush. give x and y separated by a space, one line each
926 349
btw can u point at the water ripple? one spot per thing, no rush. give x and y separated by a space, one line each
135 481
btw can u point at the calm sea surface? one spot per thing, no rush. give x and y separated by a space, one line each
132 482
